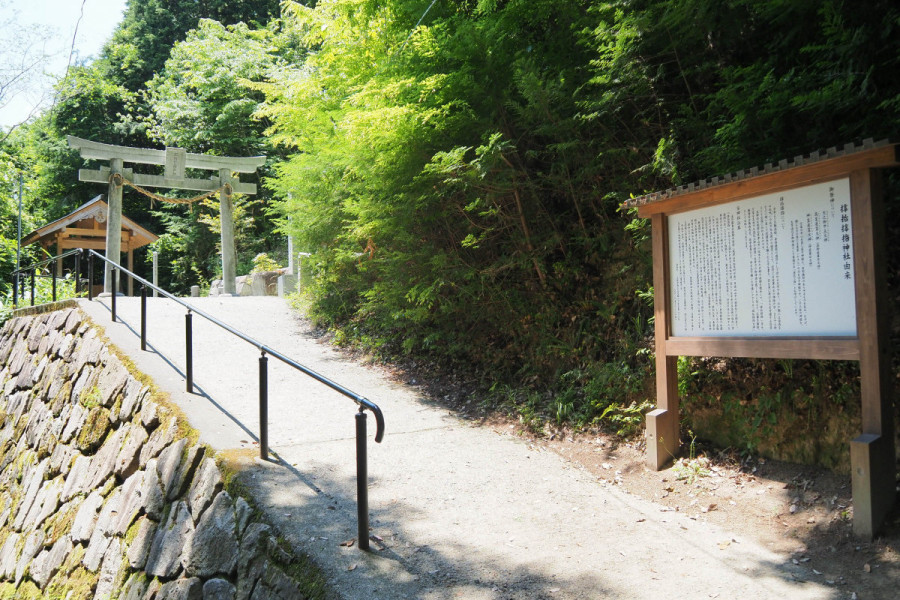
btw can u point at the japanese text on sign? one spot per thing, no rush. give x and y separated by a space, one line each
775 265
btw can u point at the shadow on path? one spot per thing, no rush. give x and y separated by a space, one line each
456 511
198 389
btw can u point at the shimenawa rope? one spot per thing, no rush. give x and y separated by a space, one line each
119 181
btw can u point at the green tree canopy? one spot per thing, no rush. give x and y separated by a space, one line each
141 44
197 100
458 173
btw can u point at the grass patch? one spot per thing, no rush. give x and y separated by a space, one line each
311 582
94 430
231 464
74 583
60 523
90 398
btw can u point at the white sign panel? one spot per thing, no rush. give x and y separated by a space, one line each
774 265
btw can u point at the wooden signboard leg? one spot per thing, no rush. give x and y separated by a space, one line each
663 423
872 454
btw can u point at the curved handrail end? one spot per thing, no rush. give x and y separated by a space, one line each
379 417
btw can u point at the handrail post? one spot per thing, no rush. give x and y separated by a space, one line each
112 278
16 290
263 406
53 275
362 482
33 269
144 318
78 273
188 354
90 276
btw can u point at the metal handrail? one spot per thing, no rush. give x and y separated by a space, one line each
362 402
41 263
32 268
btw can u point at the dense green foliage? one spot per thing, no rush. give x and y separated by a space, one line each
140 46
477 159
197 102
456 168
460 155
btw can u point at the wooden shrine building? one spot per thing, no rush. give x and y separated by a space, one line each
86 228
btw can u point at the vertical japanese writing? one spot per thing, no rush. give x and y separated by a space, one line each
705 275
798 268
846 256
765 265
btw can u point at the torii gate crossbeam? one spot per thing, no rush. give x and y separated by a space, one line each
175 160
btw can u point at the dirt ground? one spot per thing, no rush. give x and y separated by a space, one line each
802 511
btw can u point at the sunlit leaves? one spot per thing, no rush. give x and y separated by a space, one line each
198 101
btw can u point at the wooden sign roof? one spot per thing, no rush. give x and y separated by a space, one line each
85 228
772 176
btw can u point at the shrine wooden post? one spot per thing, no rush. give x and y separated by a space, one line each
113 223
174 161
226 219
714 207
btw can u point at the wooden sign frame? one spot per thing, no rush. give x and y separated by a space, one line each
872 454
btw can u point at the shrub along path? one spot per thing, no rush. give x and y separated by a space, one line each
457 510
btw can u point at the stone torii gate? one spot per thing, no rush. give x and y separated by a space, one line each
174 160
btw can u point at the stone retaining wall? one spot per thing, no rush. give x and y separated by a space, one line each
104 492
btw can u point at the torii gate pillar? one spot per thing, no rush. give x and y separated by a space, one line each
226 215
113 224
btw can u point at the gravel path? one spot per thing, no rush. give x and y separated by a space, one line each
463 511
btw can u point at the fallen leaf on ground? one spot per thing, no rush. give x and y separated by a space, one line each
725 544
351 567
348 543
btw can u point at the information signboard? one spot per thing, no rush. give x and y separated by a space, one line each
785 262
773 265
